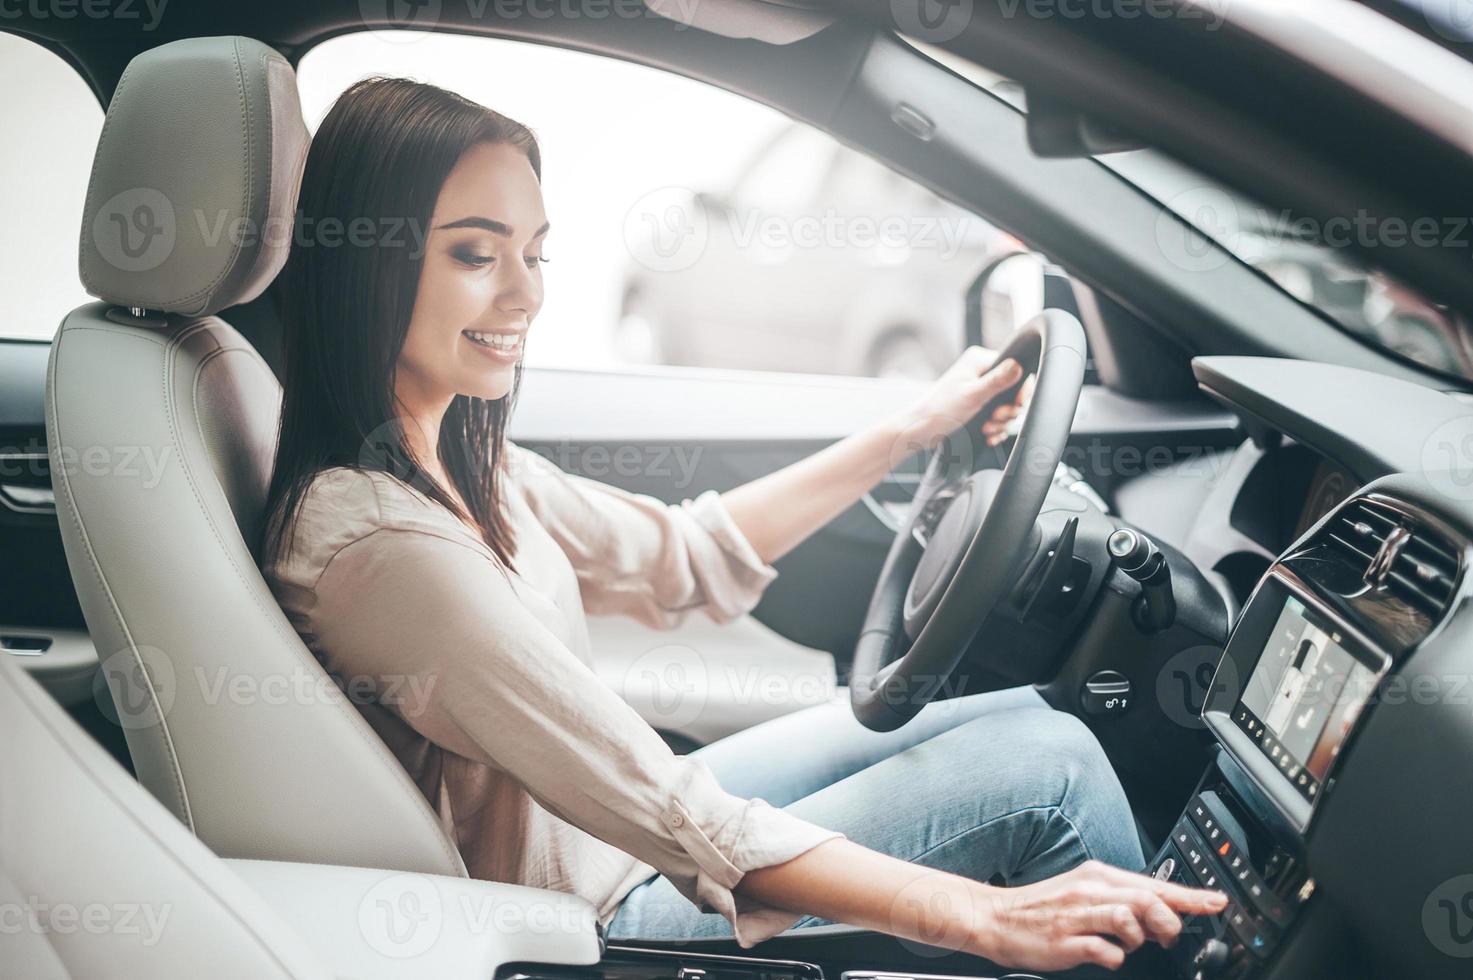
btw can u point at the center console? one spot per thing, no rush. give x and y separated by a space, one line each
1316 642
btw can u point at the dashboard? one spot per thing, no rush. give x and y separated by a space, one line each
1329 485
1333 812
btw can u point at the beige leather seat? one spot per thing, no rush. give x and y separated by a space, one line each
97 880
162 422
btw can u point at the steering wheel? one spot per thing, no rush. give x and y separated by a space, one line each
955 556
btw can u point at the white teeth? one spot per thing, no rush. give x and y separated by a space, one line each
499 341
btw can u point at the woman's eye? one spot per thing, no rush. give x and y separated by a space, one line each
534 260
474 258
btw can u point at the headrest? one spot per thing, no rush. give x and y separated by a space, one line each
195 181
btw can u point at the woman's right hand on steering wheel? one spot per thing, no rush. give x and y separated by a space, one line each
1095 913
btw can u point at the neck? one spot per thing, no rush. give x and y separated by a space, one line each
420 414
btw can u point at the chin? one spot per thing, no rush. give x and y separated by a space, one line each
493 386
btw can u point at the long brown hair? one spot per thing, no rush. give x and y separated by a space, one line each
379 158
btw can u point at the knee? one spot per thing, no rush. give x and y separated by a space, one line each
1062 752
1079 779
1070 766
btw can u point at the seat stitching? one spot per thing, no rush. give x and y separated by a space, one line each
74 512
91 201
245 204
118 331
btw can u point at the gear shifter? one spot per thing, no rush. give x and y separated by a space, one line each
1137 556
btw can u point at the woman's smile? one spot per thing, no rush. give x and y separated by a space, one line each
503 347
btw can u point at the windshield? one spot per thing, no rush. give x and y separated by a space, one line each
1309 261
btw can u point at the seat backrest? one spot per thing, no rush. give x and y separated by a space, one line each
161 422
98 880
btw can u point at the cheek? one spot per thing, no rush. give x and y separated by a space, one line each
449 299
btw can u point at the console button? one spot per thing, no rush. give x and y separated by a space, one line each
1256 934
1212 958
1107 692
1275 909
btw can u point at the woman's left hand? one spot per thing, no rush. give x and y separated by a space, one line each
959 394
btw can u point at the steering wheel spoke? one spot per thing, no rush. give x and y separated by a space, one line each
931 510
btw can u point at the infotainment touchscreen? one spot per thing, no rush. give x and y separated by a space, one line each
1303 696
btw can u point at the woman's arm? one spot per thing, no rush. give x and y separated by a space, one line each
1051 925
778 511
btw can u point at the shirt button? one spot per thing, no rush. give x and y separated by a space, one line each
676 820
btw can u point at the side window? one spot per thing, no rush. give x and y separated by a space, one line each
695 227
785 176
52 134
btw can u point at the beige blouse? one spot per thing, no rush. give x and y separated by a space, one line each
481 683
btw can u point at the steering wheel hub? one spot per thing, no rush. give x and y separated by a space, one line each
946 545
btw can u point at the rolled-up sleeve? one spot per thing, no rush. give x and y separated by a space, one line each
637 555
476 672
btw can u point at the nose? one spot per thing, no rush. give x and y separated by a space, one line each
521 290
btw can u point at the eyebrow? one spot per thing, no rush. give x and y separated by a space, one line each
492 225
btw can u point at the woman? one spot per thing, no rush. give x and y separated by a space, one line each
431 561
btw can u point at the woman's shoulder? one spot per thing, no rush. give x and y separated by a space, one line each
342 504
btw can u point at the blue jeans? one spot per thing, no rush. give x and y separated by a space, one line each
997 787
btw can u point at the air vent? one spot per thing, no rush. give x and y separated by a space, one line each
1359 531
1424 564
1424 571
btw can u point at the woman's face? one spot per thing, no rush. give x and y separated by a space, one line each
481 285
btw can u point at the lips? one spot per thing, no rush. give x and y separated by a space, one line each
498 340
505 348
